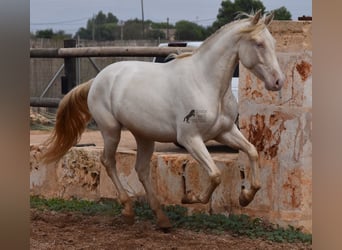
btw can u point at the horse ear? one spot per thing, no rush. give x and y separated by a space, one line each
256 17
269 18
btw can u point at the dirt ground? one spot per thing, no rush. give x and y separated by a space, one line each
55 230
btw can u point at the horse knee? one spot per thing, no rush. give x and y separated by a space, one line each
253 154
216 178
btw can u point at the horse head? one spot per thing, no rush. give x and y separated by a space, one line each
257 51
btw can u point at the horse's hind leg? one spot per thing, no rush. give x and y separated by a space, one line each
111 137
142 166
235 139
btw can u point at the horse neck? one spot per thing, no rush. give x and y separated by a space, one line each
218 57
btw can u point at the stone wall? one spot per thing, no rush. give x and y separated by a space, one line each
79 174
279 124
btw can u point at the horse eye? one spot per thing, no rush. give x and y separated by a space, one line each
260 45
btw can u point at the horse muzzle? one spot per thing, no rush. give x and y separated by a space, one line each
276 84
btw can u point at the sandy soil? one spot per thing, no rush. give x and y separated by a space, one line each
54 230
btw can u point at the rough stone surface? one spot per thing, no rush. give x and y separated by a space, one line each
76 175
292 36
279 124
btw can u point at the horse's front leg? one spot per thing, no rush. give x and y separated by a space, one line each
198 150
235 139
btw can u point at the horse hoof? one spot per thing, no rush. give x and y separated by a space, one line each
165 230
245 197
190 198
163 221
243 201
164 225
185 200
128 219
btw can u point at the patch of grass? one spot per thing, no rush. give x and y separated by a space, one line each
82 206
143 211
240 225
236 224
39 126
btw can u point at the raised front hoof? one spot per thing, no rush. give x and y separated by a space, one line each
246 197
243 201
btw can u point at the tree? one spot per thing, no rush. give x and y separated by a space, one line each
229 10
155 34
111 18
84 33
162 25
133 29
249 6
282 14
50 34
189 31
101 27
61 35
47 33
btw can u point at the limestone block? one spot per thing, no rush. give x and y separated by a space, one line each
175 174
225 198
168 176
292 36
76 175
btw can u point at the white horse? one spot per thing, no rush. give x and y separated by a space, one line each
187 100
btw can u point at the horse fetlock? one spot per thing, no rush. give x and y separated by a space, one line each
253 155
256 186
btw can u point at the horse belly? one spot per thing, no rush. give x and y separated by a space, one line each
148 114
149 127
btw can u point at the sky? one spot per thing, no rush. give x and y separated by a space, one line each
70 15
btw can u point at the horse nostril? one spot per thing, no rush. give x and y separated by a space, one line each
279 83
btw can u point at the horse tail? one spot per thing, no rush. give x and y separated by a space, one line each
71 120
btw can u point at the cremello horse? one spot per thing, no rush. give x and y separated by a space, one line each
187 100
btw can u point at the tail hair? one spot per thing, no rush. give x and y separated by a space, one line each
71 120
